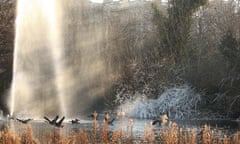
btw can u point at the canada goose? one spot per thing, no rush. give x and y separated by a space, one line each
161 121
52 122
94 115
24 121
59 123
75 121
111 122
107 119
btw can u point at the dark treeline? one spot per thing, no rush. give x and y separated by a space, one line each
151 47
7 19
188 41
203 39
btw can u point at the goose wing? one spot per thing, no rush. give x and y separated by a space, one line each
156 121
47 119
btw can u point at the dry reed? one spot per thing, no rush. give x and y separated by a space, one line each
171 134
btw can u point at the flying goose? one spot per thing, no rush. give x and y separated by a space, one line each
24 121
54 121
59 123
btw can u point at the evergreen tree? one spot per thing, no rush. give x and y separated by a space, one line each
174 29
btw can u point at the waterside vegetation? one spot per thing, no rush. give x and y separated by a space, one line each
170 135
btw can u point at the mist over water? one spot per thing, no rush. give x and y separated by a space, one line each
59 64
178 103
33 87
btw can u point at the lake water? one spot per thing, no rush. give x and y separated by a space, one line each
42 130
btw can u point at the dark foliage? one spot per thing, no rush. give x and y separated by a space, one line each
7 18
230 50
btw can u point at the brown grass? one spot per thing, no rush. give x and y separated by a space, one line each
7 137
167 135
149 136
176 135
27 138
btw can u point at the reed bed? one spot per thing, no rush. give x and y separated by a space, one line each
171 134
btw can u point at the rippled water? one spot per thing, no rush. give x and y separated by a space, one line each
42 130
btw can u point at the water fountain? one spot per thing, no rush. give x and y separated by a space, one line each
37 55
59 67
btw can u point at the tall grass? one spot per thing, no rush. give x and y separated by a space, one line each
172 134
